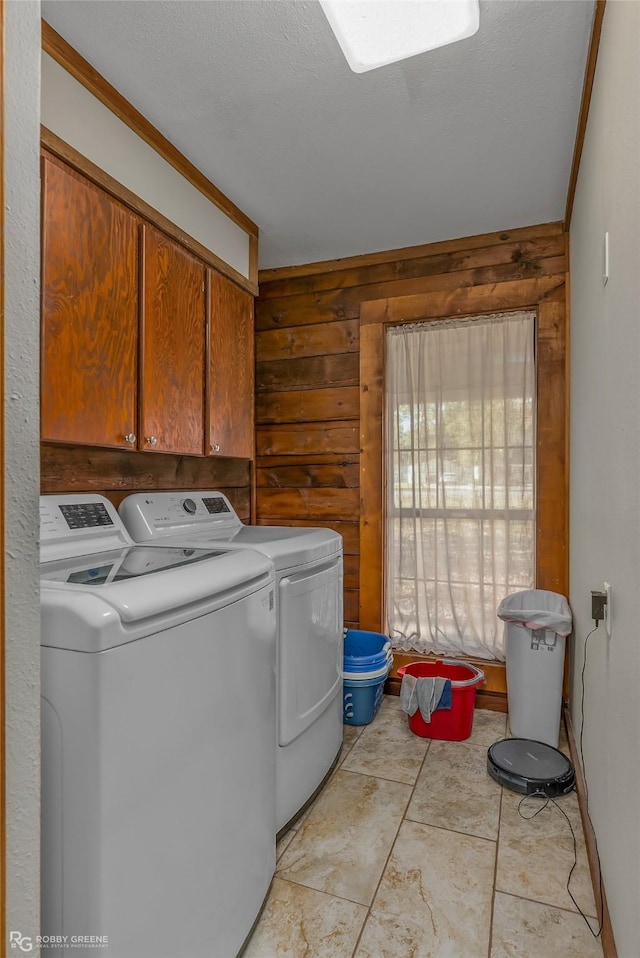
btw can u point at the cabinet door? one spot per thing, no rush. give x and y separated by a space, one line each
173 347
89 313
231 369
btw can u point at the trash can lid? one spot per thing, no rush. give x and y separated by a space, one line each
537 609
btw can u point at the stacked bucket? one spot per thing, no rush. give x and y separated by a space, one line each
367 662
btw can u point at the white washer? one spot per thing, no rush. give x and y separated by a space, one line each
309 579
158 716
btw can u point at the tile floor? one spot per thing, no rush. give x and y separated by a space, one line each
412 851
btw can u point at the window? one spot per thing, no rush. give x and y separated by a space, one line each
460 480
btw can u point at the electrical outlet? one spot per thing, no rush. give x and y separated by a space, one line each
598 605
606 588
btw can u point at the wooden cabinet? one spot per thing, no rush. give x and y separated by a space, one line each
143 346
172 347
231 367
90 312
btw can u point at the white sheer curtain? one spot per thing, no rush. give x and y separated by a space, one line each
460 450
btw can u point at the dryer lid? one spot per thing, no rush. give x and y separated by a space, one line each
288 546
209 517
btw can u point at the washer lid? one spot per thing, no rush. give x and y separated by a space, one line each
122 564
149 581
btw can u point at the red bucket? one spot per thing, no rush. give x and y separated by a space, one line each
454 724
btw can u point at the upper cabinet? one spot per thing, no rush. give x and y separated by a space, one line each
172 347
143 345
90 312
231 369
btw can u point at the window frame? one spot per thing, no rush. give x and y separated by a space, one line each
551 426
417 421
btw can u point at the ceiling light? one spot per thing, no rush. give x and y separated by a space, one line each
373 33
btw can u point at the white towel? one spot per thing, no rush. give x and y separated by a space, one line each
421 693
408 697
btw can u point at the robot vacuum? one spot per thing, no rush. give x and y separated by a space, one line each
529 767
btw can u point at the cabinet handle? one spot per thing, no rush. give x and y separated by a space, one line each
152 440
130 437
215 448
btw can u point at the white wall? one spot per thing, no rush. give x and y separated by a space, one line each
605 460
22 310
82 121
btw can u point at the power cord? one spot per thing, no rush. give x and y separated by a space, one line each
550 801
584 772
584 665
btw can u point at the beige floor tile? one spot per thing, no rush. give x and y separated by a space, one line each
298 921
527 929
309 810
488 727
351 733
434 900
344 751
388 749
391 702
343 844
300 822
345 748
535 856
454 791
284 843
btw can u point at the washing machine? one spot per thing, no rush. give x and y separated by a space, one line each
158 716
309 581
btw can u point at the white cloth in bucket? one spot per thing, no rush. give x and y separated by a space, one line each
421 693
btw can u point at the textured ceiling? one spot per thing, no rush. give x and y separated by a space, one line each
470 138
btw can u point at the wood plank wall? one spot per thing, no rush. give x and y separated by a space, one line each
308 362
115 473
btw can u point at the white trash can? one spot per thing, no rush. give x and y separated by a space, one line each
536 623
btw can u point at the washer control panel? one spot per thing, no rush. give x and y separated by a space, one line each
215 506
77 524
86 515
147 515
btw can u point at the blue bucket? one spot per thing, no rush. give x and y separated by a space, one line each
365 651
361 700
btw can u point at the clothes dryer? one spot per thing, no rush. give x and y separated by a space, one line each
309 584
158 716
